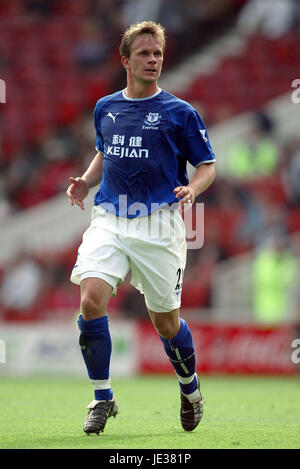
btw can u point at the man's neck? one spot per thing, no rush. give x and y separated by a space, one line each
134 90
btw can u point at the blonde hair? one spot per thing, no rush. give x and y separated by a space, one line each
134 30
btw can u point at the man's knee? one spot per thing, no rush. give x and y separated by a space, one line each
94 300
91 307
165 330
166 324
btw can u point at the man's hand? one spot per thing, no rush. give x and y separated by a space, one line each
187 193
77 191
202 179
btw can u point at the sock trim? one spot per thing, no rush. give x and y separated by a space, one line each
188 379
100 384
92 326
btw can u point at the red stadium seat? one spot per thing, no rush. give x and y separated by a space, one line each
294 220
247 81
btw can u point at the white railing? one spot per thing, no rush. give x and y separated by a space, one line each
53 225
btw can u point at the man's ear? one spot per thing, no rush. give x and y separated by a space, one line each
124 61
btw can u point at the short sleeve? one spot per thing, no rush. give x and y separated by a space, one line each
99 137
197 145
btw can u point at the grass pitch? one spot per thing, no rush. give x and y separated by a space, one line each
252 412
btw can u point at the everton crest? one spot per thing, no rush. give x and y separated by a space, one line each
152 118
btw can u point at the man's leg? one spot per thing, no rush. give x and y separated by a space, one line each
95 344
178 344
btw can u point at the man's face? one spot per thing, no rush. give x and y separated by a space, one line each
145 62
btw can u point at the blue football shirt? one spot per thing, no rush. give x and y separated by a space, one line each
146 143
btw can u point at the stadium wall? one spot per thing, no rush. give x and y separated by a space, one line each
51 348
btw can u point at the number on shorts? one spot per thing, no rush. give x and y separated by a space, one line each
179 274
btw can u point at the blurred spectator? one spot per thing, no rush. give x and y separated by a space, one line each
297 13
133 305
272 18
227 194
290 171
274 277
263 218
38 7
21 284
257 153
92 47
135 11
22 169
5 207
200 267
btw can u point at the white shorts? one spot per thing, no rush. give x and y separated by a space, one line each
153 248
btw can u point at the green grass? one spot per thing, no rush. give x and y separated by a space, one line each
254 412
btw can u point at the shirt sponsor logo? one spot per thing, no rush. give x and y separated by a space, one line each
133 150
127 152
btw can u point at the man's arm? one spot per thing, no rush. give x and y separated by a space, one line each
202 179
80 186
93 174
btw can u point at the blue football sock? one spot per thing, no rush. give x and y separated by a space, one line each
180 350
188 387
95 344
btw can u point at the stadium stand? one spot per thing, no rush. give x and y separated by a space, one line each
69 59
